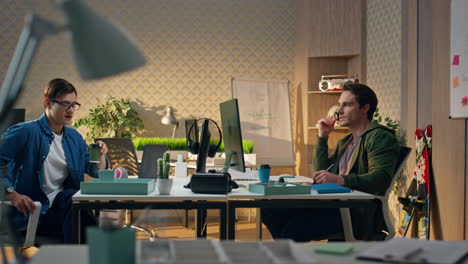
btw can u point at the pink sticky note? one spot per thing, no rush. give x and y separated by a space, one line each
456 60
464 100
456 82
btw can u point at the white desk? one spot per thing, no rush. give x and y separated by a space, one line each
78 254
183 198
180 198
242 198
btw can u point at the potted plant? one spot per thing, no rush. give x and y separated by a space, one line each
163 181
112 118
178 146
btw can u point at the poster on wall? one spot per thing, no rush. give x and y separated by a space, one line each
459 59
265 118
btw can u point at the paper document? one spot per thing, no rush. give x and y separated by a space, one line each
408 250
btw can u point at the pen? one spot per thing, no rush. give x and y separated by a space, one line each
117 164
329 167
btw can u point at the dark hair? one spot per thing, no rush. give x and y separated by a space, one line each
58 87
364 95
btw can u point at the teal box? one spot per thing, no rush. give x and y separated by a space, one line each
106 175
275 188
118 186
110 247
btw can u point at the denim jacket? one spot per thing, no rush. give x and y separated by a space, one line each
24 148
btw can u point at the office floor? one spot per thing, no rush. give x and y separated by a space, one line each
173 228
246 230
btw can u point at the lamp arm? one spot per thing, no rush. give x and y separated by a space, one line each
34 29
175 128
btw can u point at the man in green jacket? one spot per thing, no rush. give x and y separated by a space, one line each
365 160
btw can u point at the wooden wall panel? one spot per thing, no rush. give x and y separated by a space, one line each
449 145
333 35
409 78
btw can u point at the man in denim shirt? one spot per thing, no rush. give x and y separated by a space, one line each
45 160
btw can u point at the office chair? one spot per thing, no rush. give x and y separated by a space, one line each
33 221
122 151
149 165
346 218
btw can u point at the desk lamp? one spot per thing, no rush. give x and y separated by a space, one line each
169 119
100 49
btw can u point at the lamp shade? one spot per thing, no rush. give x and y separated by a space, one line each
169 118
100 48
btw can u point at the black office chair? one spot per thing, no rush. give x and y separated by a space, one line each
149 165
122 150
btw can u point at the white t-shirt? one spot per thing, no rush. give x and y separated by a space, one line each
55 169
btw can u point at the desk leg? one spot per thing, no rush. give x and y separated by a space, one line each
200 227
347 225
222 223
186 218
231 223
258 223
76 224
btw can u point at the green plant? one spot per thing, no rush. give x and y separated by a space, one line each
164 166
181 143
112 118
392 124
171 143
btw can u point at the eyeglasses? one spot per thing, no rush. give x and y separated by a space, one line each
67 105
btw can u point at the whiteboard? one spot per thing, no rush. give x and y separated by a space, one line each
459 59
265 118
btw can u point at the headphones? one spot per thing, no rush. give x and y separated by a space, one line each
194 145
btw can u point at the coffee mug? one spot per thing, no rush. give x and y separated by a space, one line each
94 153
264 173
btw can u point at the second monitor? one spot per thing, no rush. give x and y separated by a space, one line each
232 134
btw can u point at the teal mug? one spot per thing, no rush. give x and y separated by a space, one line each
264 173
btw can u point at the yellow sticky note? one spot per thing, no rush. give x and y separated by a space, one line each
456 82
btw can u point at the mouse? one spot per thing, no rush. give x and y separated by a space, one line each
287 176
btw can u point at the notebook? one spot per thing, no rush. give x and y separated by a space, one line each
330 188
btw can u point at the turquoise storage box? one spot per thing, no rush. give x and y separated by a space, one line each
275 188
110 247
118 186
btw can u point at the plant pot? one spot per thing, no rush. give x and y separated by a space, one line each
164 186
250 159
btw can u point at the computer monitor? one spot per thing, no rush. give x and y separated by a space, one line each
205 137
232 135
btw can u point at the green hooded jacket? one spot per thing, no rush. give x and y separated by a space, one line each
371 171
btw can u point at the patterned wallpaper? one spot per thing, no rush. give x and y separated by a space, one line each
193 48
384 69
384 54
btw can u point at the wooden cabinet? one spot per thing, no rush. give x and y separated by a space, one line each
334 44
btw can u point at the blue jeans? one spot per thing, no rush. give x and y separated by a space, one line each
57 221
303 224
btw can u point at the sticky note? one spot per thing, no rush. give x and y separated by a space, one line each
455 82
334 249
464 101
456 60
